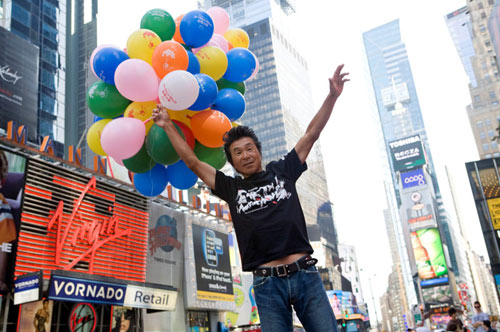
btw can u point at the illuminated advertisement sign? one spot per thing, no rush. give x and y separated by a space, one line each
418 210
429 255
494 208
28 288
413 178
73 223
35 316
213 268
437 296
83 317
407 153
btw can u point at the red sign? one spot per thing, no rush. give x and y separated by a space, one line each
71 225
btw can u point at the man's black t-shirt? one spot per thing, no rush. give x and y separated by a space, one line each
266 211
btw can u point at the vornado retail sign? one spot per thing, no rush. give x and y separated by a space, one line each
68 288
407 153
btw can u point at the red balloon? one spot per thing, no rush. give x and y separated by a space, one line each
188 134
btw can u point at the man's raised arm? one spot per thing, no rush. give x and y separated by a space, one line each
203 170
306 142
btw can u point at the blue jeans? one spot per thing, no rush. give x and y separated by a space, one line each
304 291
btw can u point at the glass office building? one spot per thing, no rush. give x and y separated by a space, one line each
279 98
43 23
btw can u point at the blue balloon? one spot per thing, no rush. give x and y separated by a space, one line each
197 27
241 64
230 102
207 93
153 182
194 64
106 61
180 176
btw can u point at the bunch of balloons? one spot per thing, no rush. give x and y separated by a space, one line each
195 66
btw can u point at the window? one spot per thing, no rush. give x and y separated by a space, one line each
21 14
477 98
492 95
486 147
482 135
490 133
483 65
49 32
47 104
49 56
49 79
479 124
487 122
50 10
494 145
482 28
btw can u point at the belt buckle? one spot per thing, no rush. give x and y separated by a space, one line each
278 270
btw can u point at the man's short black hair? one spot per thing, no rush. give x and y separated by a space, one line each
452 327
451 311
487 323
235 134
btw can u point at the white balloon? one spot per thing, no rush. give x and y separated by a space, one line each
178 90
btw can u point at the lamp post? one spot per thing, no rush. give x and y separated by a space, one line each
374 304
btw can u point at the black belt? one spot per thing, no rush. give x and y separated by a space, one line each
283 270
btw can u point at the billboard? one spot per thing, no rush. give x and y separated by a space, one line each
75 223
417 208
437 296
165 254
429 254
413 178
407 153
494 208
213 268
11 191
35 316
18 82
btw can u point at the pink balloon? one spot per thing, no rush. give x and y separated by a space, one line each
122 138
217 41
220 18
136 80
178 90
97 49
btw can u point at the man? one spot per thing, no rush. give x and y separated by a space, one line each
453 313
487 326
268 219
479 317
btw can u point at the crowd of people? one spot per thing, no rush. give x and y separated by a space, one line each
480 322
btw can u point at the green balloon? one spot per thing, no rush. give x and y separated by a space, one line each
225 84
159 21
141 162
105 101
215 157
159 146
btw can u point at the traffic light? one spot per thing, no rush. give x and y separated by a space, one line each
343 324
346 315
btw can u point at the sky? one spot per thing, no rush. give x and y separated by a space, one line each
329 33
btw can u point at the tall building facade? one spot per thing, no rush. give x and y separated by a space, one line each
414 181
43 24
81 41
279 98
484 82
350 270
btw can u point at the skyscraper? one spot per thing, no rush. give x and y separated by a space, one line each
279 98
413 174
43 23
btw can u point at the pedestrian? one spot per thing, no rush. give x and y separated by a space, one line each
453 313
479 318
487 326
453 327
268 218
422 328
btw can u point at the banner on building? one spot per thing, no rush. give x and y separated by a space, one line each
28 288
244 299
165 255
429 254
413 178
35 316
407 153
437 296
494 208
417 208
213 268
77 223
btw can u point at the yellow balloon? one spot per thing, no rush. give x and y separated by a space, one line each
213 62
237 37
141 44
182 116
235 124
94 136
141 111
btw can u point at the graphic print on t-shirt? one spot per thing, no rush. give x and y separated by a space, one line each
248 201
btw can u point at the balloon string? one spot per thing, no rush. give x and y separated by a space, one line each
147 120
110 168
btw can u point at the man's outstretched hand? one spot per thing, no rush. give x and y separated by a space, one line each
160 116
337 82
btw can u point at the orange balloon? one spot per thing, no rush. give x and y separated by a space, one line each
177 35
169 56
209 127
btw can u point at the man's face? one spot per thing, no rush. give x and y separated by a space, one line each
477 307
246 157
